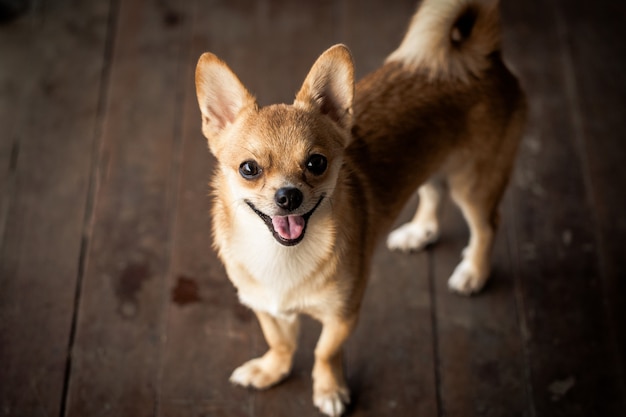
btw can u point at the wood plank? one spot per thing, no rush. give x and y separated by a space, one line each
293 35
116 355
391 357
54 71
480 356
16 44
235 334
594 62
572 368
373 30
209 333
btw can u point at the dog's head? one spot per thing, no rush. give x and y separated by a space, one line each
281 161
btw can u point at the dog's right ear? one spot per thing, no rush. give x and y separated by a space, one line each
221 95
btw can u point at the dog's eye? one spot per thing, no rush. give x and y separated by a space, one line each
316 164
249 170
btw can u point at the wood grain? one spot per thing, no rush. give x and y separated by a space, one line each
112 301
116 354
49 110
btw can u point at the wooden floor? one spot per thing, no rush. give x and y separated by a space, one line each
112 302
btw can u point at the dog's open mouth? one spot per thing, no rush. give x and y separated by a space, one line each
287 230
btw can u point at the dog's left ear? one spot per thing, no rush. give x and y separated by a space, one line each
329 86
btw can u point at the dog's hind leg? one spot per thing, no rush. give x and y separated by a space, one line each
281 335
479 206
423 229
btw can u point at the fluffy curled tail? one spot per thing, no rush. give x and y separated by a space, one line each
451 38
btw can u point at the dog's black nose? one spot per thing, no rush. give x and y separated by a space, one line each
288 198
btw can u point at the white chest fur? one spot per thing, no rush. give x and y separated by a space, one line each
271 277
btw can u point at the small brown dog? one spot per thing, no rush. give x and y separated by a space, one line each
303 192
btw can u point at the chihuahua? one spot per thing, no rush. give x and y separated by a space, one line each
303 192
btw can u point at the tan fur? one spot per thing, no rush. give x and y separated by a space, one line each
452 115
427 44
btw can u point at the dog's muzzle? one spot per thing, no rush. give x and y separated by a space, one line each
288 230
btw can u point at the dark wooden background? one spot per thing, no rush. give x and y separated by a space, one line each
112 302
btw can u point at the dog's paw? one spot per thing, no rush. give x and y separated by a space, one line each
258 373
413 237
467 279
332 402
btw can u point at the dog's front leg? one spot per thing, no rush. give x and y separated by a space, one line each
330 391
281 335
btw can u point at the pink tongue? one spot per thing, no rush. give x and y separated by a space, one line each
288 227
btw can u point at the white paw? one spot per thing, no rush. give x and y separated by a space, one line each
467 279
413 237
255 373
332 403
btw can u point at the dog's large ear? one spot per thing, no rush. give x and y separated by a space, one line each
221 95
329 86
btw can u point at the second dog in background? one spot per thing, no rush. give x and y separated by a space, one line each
303 192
